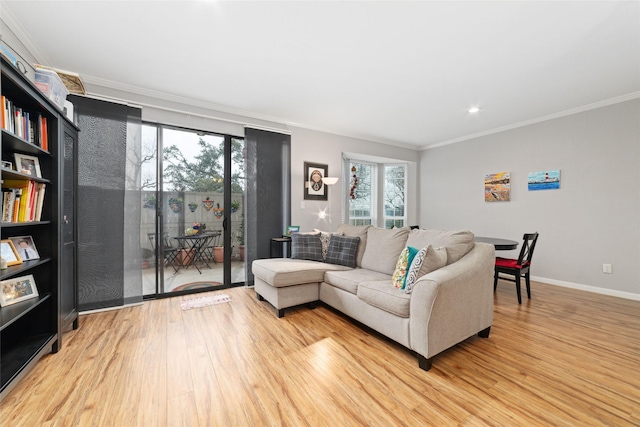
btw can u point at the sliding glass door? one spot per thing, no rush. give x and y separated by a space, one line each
193 216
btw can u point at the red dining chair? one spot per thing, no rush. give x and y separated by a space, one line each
517 267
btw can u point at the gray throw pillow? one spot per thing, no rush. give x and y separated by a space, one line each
343 250
306 246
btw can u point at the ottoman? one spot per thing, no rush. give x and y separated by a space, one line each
286 282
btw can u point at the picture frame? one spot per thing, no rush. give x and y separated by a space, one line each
7 165
17 289
314 187
25 247
9 253
292 229
28 165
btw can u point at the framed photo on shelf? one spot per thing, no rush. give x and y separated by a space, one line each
28 165
314 187
17 289
7 165
25 247
9 253
292 229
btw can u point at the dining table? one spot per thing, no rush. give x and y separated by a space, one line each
498 243
193 247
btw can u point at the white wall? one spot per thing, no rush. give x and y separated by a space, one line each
325 148
594 217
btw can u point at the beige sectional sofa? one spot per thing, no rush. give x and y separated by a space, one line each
447 300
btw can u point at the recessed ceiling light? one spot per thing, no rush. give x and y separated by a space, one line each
474 109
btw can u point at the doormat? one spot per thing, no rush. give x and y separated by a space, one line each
196 285
188 304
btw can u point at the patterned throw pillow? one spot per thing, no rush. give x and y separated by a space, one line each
343 250
325 238
427 259
306 246
402 266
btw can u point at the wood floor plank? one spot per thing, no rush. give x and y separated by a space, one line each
563 358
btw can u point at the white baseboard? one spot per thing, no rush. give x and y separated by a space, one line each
594 289
118 307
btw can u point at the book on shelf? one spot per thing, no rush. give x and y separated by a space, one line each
23 200
29 126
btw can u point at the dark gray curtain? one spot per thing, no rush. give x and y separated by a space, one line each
109 271
268 194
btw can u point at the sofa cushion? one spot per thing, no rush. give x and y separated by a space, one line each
402 266
306 246
427 259
458 243
385 296
348 280
383 248
356 231
343 250
280 272
325 238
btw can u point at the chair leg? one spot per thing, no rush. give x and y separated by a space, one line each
528 282
518 291
495 280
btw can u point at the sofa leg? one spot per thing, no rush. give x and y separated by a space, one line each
484 333
259 297
424 363
312 305
280 313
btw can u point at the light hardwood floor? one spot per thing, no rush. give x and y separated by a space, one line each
564 358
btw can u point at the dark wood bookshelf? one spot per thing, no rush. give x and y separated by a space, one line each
32 328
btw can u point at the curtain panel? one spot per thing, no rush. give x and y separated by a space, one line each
109 150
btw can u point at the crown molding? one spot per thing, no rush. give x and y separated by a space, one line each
569 112
163 96
14 25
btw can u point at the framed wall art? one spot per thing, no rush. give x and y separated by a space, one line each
497 187
314 187
544 180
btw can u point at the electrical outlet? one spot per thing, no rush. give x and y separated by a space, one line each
606 268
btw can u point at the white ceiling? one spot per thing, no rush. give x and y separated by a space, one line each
401 72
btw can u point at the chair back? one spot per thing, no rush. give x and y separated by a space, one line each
528 245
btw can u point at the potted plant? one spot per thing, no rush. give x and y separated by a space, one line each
149 201
176 204
207 203
218 211
218 253
235 205
193 206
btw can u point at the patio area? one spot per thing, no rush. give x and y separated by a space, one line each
190 275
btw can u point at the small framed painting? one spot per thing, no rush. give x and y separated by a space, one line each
17 289
497 187
292 229
544 180
314 187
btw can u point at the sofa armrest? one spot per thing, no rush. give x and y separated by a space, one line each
453 303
